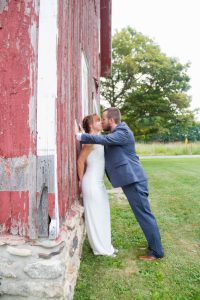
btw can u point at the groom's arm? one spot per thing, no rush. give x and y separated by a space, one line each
119 137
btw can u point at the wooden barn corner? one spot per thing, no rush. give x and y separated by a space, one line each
52 54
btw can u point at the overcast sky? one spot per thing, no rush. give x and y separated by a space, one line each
173 24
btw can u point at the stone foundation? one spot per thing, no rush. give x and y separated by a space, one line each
43 269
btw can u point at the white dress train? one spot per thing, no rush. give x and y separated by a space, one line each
97 208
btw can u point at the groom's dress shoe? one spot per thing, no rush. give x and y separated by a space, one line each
147 257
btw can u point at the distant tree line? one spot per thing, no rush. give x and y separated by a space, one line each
150 89
175 134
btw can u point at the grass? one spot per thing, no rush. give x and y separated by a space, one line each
174 197
178 148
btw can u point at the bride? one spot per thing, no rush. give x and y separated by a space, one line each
91 168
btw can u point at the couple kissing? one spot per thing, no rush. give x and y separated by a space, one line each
114 153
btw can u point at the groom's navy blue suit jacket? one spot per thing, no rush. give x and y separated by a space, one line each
121 162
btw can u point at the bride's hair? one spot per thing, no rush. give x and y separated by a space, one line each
88 120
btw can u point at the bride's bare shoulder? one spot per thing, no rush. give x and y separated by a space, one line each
85 151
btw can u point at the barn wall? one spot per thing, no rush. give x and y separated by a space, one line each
32 178
23 171
18 73
78 32
105 40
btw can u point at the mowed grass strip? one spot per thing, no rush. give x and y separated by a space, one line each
176 148
175 200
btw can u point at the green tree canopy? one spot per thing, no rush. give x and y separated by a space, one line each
149 87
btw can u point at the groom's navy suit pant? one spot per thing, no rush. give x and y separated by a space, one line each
137 195
124 169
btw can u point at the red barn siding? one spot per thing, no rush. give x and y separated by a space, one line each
18 71
17 79
16 206
105 38
78 30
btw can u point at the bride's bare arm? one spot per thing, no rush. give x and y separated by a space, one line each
85 151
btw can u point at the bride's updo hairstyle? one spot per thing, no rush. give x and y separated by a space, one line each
88 120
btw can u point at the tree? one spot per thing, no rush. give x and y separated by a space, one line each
149 87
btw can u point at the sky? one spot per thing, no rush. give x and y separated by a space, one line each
173 24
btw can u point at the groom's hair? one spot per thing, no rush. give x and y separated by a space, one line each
114 113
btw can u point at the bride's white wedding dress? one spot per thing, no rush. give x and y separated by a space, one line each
97 208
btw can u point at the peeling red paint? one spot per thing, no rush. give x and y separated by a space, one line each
16 57
106 37
78 30
18 72
7 171
51 204
14 212
5 212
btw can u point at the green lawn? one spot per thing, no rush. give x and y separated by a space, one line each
178 148
175 201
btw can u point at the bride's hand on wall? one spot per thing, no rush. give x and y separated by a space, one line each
81 128
76 130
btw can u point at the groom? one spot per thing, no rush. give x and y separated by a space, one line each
124 170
